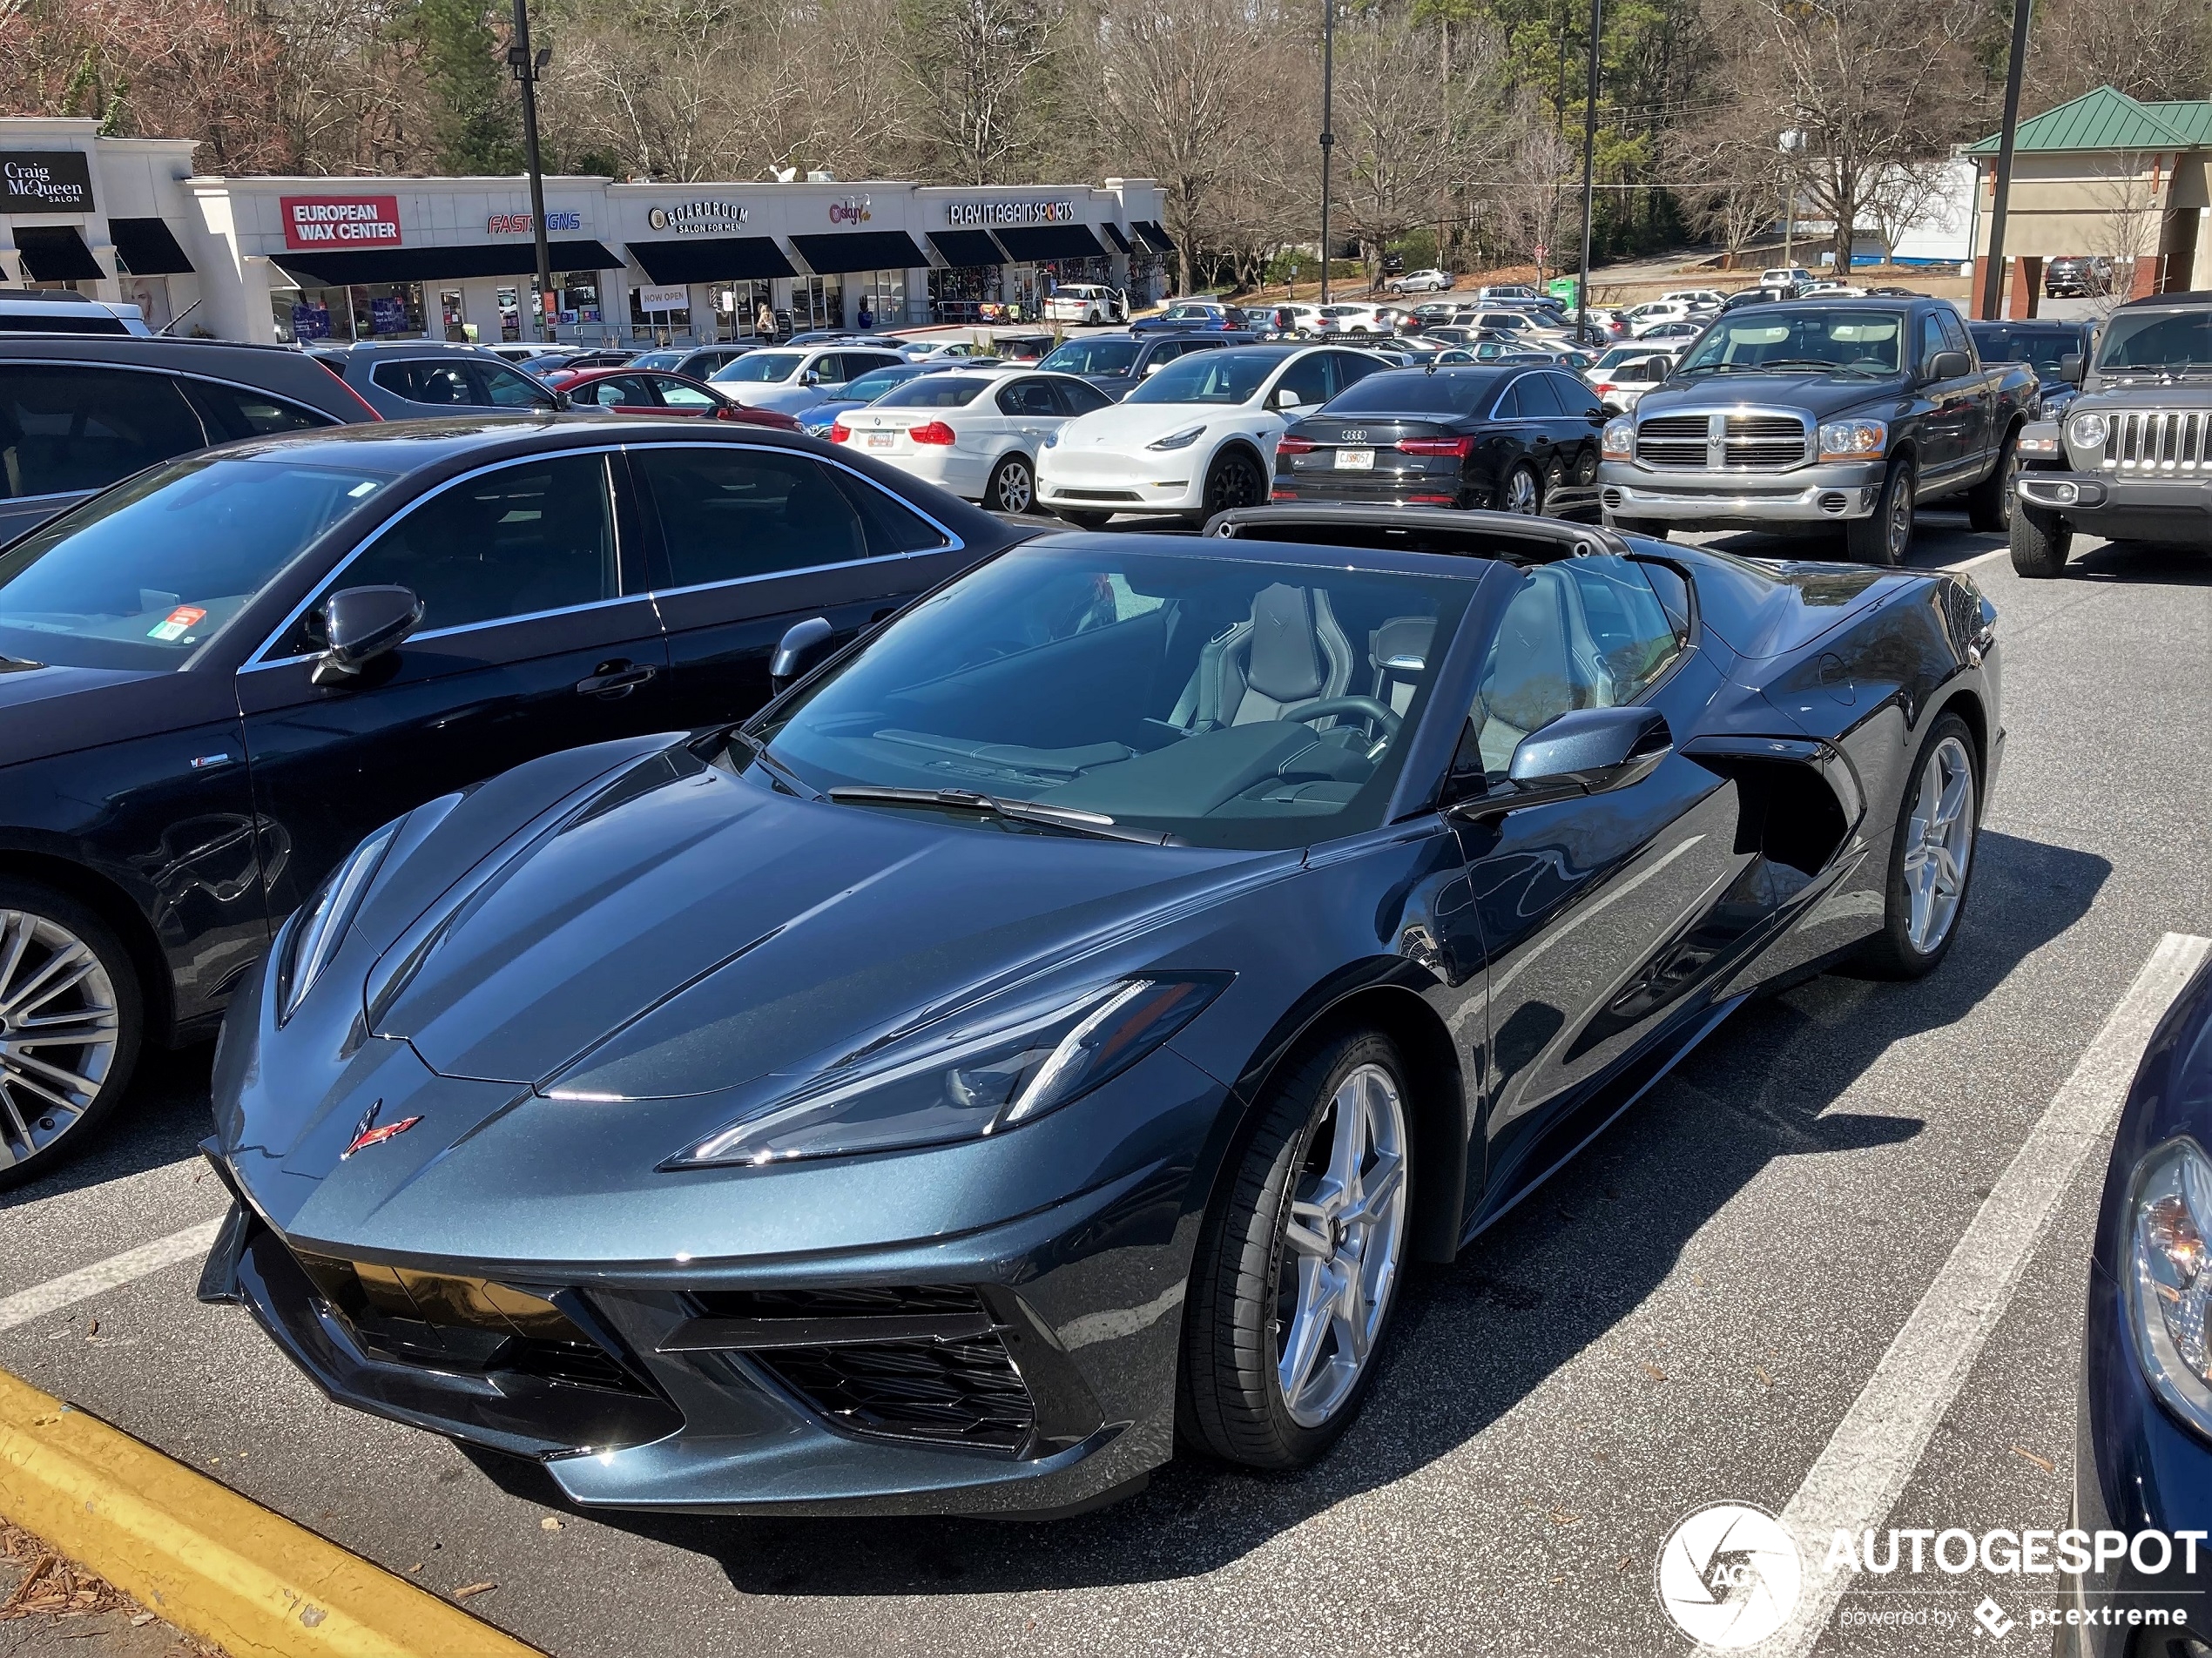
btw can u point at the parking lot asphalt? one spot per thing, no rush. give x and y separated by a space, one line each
1684 1314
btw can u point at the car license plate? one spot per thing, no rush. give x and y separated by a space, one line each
1355 460
882 440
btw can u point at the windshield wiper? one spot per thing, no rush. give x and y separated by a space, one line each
774 766
1094 824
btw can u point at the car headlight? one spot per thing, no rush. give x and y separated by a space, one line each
320 927
1182 440
2088 431
967 1079
2169 1276
1853 439
1050 440
1620 439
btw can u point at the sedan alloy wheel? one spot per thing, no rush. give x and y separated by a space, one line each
1011 488
63 1052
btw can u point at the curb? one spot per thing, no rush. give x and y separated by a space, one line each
209 1560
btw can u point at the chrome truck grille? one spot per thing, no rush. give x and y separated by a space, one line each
2154 443
1738 442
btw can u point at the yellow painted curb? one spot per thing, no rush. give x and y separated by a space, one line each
209 1560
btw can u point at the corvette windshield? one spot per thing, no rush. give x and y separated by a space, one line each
1787 337
1208 377
1229 701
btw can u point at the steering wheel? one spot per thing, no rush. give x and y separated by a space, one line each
1367 706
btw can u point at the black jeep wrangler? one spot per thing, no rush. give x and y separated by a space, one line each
2131 460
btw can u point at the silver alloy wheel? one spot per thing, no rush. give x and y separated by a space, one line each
1013 491
1939 843
1521 492
58 1030
1344 1235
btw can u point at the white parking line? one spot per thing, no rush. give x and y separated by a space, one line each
1980 558
1863 1469
117 1271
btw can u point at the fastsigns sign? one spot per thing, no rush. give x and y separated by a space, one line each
331 222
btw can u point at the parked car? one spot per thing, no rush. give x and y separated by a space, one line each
2133 459
1852 413
2143 1411
1622 375
1057 1028
226 670
640 391
1522 440
1697 299
2044 347
1086 302
1428 282
1505 292
857 394
978 435
1826 288
700 362
1754 296
1117 363
417 380
1345 321
1208 422
1194 313
81 411
1643 318
64 311
2071 277
792 379
1677 334
1791 278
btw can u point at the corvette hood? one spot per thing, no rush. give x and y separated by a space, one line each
680 930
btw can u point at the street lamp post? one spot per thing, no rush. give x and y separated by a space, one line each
1992 297
1328 137
526 68
1589 181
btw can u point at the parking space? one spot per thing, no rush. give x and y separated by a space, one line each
1686 1314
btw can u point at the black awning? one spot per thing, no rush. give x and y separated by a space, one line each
1114 235
441 264
1050 242
710 259
860 250
148 247
56 253
965 249
1155 239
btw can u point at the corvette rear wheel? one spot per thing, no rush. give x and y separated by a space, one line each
1930 857
69 1027
1299 1265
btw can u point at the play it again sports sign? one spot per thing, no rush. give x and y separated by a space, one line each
340 221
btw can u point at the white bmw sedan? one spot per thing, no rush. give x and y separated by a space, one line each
1196 439
977 433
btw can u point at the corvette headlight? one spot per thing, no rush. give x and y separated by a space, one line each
323 919
967 1079
1853 439
2088 431
2169 1276
1620 439
1182 440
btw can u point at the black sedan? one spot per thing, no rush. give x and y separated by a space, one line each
1520 440
1118 363
217 676
1053 1028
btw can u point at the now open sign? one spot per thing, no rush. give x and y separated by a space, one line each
340 221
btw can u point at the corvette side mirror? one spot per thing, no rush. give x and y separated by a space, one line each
358 625
1586 751
804 644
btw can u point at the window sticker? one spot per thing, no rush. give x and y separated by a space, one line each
177 623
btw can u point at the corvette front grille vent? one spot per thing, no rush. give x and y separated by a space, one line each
2160 442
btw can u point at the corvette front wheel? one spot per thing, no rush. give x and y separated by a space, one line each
1298 1264
1932 857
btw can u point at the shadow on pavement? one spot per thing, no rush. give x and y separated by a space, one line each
1472 1340
163 1118
2140 561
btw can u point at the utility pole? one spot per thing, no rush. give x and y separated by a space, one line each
1993 275
526 69
1590 179
1328 137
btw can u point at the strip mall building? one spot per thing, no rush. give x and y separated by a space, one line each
269 259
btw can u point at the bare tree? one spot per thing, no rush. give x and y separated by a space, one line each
1738 174
2148 49
1545 191
975 65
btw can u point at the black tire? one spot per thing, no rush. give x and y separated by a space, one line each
1232 1401
37 1132
2040 541
1082 518
1884 537
1234 479
1989 503
1012 486
1892 953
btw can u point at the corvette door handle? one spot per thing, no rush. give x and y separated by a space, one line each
616 678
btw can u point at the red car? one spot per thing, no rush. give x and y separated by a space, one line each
657 391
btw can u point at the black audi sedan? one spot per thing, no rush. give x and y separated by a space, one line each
1518 438
217 676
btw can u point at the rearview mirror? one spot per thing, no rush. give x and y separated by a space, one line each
1586 751
804 644
358 625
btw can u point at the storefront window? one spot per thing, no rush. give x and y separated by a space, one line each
307 314
386 310
882 302
579 291
817 302
510 314
737 309
959 294
661 325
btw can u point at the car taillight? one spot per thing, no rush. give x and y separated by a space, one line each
1293 446
1457 447
839 432
1282 495
934 432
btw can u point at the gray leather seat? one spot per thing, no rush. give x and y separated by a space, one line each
1289 652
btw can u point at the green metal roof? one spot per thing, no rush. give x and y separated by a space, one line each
2109 119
